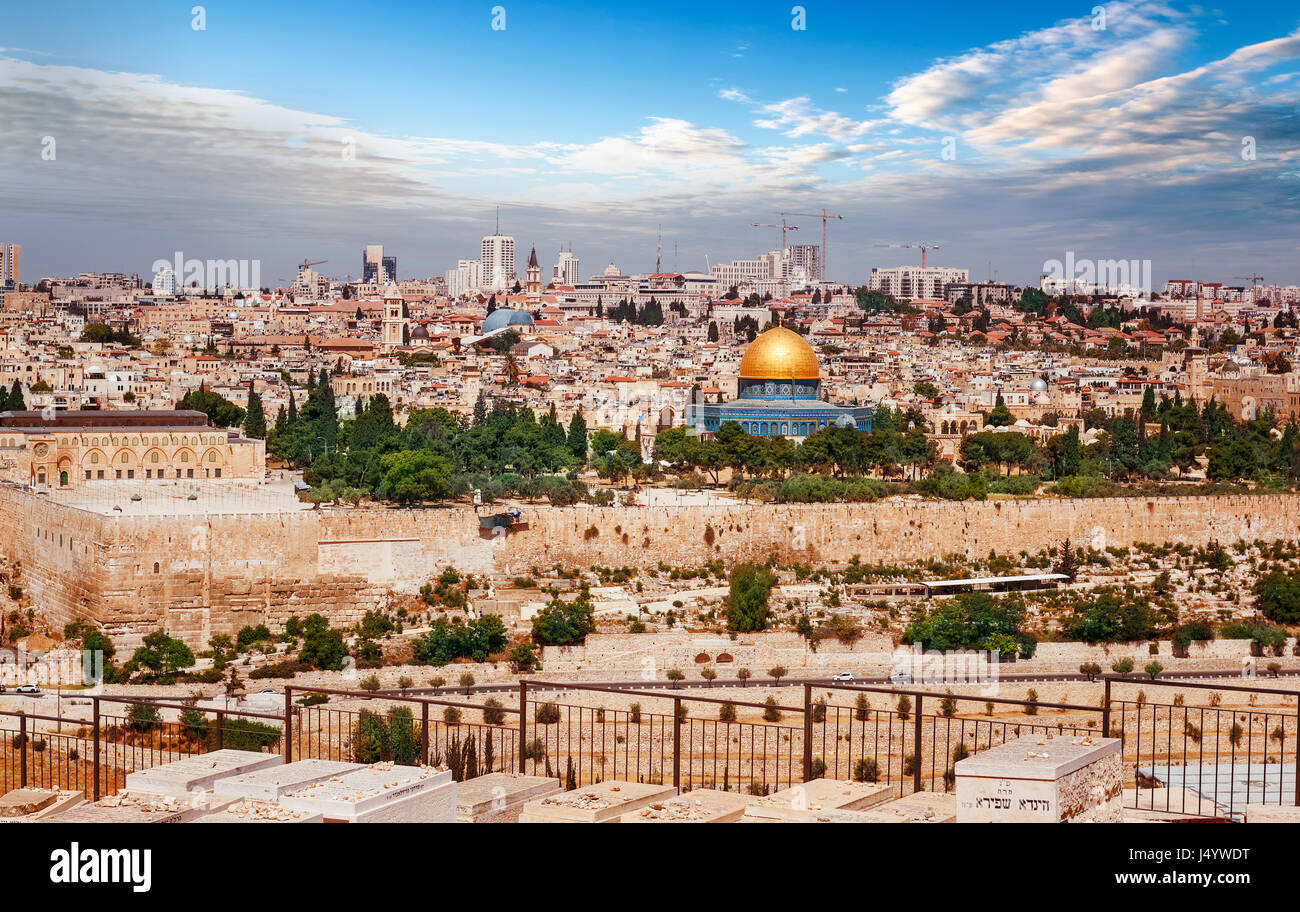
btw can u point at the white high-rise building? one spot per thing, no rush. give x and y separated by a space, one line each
164 283
498 262
466 278
9 256
565 272
913 282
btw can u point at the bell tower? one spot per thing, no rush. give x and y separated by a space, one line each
394 318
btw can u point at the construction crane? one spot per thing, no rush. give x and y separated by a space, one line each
821 260
305 264
1254 280
924 247
784 226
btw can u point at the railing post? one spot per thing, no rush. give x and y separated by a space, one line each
288 724
523 723
916 745
221 730
424 733
22 750
677 743
1297 752
1105 712
94 733
807 732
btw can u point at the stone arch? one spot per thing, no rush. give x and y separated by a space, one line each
155 458
184 456
96 457
724 658
702 658
124 458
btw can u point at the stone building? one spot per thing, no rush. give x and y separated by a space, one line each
67 449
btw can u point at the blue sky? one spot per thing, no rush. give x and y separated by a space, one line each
596 124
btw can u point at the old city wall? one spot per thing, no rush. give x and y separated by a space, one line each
205 574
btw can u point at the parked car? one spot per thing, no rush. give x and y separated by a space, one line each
27 689
900 677
843 676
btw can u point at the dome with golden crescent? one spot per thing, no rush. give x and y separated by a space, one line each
779 354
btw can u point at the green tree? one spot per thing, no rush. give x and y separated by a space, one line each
750 588
161 654
254 416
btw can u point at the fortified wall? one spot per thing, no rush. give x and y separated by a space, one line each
197 575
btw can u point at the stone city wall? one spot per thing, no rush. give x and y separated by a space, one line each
199 575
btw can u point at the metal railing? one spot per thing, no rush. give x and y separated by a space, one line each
1199 760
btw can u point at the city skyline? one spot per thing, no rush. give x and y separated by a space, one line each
1128 140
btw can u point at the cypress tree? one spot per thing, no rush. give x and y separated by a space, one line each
254 416
577 439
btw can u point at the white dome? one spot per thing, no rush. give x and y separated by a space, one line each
1038 385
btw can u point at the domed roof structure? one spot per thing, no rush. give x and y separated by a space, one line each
1038 385
419 332
779 354
505 316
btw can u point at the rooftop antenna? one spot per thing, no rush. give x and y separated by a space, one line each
659 250
498 228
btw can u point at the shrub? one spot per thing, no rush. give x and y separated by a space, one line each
866 770
451 715
1122 666
1032 698
727 712
370 683
1153 670
771 713
546 714
1090 670
634 714
493 714
861 708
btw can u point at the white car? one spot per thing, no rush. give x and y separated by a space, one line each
27 689
900 677
843 676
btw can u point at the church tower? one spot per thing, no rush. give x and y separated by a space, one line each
394 318
533 287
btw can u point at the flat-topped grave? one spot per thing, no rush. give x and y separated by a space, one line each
830 794
1272 813
603 802
30 805
181 777
918 807
272 782
23 801
483 798
697 806
1042 779
138 807
380 793
251 810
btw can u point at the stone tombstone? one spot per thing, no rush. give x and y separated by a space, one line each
1042 778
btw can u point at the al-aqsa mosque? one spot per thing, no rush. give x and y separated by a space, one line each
780 393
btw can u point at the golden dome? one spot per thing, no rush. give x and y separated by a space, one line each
779 354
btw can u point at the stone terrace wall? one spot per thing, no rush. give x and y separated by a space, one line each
216 573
